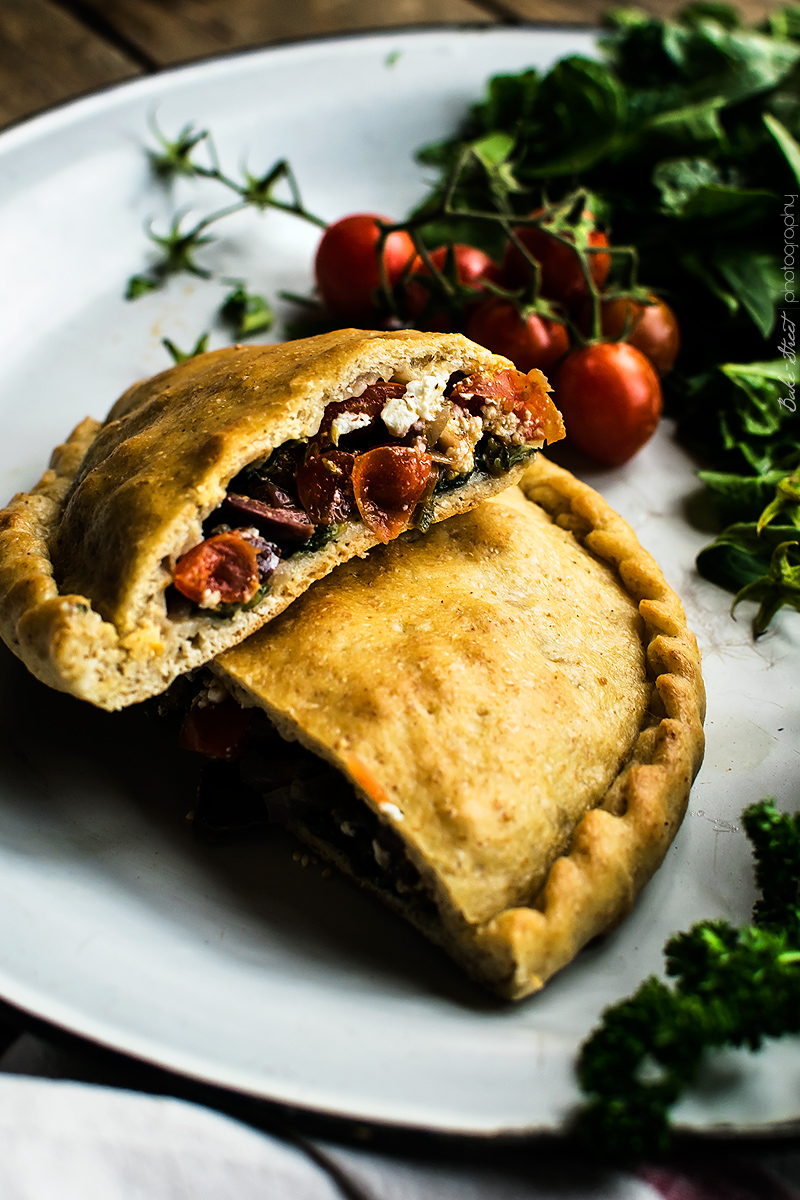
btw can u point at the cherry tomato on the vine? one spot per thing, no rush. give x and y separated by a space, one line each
471 267
530 342
562 278
610 397
346 266
653 329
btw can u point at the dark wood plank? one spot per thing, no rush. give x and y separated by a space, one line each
170 31
590 12
47 56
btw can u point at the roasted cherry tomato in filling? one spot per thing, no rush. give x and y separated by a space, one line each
472 267
324 486
611 400
529 342
217 730
388 483
562 278
526 395
221 570
347 266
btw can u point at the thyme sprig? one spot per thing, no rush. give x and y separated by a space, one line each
178 246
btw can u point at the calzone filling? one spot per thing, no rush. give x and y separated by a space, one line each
379 457
251 777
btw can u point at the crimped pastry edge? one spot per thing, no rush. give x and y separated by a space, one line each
618 845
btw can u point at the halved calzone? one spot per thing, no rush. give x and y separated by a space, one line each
494 727
216 492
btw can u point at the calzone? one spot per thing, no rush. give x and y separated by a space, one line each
493 727
216 492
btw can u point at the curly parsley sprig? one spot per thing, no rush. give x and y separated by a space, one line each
733 987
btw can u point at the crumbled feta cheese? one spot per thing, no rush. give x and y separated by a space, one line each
348 423
458 440
502 423
210 598
421 401
391 810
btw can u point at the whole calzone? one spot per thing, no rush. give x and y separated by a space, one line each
216 492
493 727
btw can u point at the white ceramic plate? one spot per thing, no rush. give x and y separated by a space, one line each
238 966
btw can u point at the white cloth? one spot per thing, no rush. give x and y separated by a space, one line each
62 1140
74 1141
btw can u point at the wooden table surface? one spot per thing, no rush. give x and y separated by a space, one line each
52 50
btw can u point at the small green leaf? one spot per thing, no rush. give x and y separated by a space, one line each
494 148
695 265
723 14
679 179
779 588
785 22
740 556
246 312
691 123
785 504
585 107
624 18
178 355
141 285
750 277
739 498
787 143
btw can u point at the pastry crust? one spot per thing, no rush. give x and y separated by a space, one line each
86 556
518 698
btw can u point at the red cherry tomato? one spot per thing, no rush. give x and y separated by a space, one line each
610 398
388 483
224 564
562 278
324 486
526 395
653 329
471 265
533 342
217 730
346 266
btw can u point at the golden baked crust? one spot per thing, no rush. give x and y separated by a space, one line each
518 697
86 556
